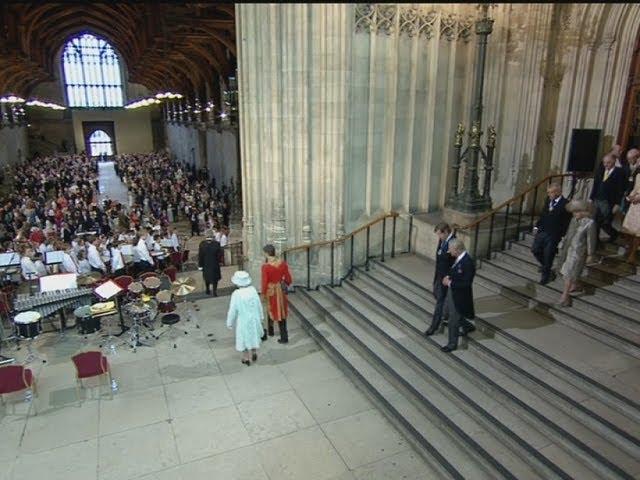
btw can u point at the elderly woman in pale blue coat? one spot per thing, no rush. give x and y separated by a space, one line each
245 311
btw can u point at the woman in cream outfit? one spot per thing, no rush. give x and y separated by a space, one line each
245 310
578 247
632 219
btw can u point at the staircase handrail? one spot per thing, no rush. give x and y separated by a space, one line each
349 236
521 197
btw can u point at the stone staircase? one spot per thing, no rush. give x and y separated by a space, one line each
536 392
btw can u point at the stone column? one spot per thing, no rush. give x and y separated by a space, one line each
292 78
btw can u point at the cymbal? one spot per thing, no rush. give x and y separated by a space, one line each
89 278
183 290
183 281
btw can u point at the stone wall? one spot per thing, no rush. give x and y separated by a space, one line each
13 146
349 110
215 149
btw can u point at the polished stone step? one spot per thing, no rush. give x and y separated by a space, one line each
447 458
574 362
625 431
505 280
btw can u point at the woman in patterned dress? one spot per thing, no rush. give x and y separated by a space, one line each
578 247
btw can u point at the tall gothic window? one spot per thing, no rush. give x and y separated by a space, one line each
92 73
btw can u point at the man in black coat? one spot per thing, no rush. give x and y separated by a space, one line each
549 230
209 254
443 265
460 293
609 184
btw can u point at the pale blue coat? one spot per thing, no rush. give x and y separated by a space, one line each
245 310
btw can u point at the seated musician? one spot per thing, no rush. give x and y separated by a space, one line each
84 266
118 266
69 264
27 266
94 258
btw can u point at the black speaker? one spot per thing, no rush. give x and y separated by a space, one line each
584 150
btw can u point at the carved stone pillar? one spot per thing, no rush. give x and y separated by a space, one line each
293 65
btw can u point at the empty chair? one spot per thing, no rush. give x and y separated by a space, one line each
15 379
88 365
171 272
123 281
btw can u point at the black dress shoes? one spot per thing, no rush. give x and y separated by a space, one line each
448 348
430 332
469 329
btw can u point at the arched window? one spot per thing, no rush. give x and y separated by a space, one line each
91 73
100 144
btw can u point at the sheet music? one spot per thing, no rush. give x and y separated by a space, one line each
126 250
166 242
11 259
59 281
53 258
108 289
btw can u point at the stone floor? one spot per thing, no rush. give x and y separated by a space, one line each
195 412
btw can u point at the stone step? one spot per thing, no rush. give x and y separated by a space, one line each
596 293
498 461
427 438
427 433
615 395
375 328
505 281
558 399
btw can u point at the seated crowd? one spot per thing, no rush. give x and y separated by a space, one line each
54 206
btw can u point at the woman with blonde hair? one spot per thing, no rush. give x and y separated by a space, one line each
578 247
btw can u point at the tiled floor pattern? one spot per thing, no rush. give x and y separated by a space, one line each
195 412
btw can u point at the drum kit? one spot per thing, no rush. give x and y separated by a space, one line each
142 303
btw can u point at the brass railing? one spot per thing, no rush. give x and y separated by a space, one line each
508 207
350 237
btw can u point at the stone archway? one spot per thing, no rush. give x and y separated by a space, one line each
629 132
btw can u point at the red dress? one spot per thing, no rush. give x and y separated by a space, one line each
272 275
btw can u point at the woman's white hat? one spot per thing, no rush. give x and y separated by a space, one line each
241 278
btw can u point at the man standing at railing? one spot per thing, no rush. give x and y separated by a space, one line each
459 294
549 230
443 265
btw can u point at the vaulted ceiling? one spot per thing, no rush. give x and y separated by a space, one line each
175 46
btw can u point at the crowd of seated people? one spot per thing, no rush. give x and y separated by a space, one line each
54 206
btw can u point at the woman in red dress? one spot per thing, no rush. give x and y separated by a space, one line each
275 278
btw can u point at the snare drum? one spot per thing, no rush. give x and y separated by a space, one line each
28 324
135 289
151 285
86 322
165 302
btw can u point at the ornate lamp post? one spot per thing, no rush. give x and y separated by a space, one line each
469 199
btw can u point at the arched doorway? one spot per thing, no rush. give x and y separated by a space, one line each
100 144
629 133
99 137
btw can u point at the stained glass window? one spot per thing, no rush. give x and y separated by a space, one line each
100 143
92 73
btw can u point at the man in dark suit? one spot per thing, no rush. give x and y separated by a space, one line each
608 187
443 265
549 230
459 294
209 255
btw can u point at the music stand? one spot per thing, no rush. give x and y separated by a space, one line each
106 291
53 258
7 261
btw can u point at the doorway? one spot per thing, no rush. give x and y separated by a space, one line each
99 139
